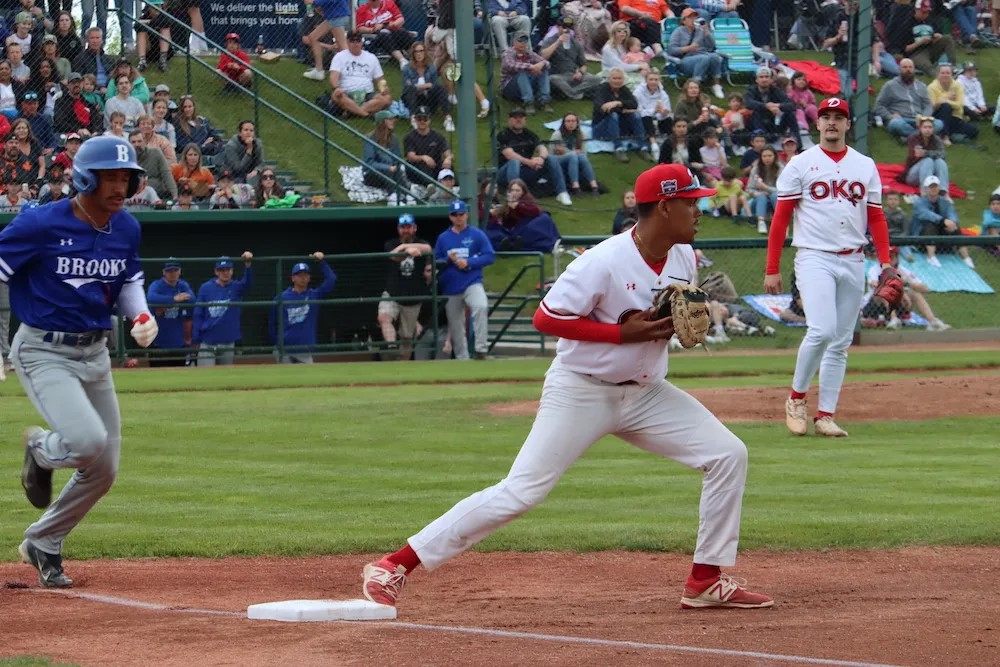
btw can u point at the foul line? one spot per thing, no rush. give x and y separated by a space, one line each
510 634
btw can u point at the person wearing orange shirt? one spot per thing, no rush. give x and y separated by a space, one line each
644 18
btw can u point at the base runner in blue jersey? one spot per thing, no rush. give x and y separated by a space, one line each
68 265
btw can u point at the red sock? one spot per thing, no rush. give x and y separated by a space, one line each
406 557
703 572
797 394
820 414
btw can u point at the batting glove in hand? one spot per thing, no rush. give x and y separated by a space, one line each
890 286
144 330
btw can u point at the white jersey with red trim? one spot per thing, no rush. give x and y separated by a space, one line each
833 198
609 283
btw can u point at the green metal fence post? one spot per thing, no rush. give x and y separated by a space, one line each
326 154
187 72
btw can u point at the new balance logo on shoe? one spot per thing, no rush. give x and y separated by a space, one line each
725 592
383 582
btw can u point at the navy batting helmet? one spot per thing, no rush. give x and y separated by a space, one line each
103 153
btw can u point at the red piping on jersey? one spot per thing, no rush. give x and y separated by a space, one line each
776 236
581 328
836 157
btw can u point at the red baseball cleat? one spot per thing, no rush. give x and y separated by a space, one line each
384 581
721 591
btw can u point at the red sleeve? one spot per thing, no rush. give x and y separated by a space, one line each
776 236
879 228
580 328
244 56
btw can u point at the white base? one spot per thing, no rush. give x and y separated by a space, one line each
299 611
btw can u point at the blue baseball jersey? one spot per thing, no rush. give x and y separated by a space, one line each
218 324
63 274
472 245
170 314
300 318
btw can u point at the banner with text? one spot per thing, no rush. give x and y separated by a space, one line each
275 23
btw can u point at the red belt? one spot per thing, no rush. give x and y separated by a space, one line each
846 252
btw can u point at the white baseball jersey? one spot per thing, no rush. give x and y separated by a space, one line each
608 283
834 197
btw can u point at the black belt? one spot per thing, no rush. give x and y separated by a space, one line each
74 339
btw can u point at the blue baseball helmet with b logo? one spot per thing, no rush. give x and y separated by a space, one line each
104 153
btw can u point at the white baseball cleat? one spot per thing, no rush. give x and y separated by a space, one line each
795 416
826 426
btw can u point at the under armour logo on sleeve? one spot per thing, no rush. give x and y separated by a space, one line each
65 241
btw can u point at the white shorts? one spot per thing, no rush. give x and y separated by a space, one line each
438 35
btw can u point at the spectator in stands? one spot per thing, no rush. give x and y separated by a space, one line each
154 140
124 103
975 102
268 188
735 122
191 173
902 99
234 64
162 92
592 25
140 90
93 60
336 20
929 40
55 189
805 101
762 186
357 80
405 278
426 150
167 297
244 153
644 17
677 148
794 314
383 22
41 125
66 36
713 157
716 9
18 70
421 87
934 215
116 126
842 37
757 143
697 109
88 7
568 75
50 50
229 194
913 299
613 54
896 218
464 251
153 161
925 156
185 199
695 46
64 158
627 211
31 149
518 223
523 156
524 75
146 198
789 149
965 16
14 197
729 198
10 91
772 111
655 112
194 128
991 218
616 115
89 92
508 15
382 153
568 148
948 102
44 81
24 25
437 194
216 329
299 319
72 112
163 127
152 36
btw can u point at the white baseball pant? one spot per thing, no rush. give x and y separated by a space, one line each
575 412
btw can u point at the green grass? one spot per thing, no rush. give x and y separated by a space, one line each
309 464
27 661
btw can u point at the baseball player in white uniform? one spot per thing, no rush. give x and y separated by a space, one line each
608 379
835 195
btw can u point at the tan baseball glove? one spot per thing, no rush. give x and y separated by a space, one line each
689 306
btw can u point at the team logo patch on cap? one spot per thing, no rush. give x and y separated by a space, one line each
668 188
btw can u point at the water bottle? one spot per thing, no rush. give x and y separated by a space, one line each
309 8
260 44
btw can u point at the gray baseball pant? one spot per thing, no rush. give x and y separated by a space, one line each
474 297
73 390
4 319
221 354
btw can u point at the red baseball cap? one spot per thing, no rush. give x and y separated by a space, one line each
669 181
835 104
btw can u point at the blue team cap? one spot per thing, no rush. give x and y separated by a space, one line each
457 206
300 267
406 219
758 133
224 263
171 264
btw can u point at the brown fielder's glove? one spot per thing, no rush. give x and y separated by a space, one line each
689 306
890 287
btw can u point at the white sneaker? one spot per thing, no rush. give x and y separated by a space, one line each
934 261
969 263
893 323
826 426
721 337
795 415
449 124
452 99
654 150
563 198
314 74
761 226
718 92
484 108
938 325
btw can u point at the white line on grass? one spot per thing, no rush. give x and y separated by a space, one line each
563 639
